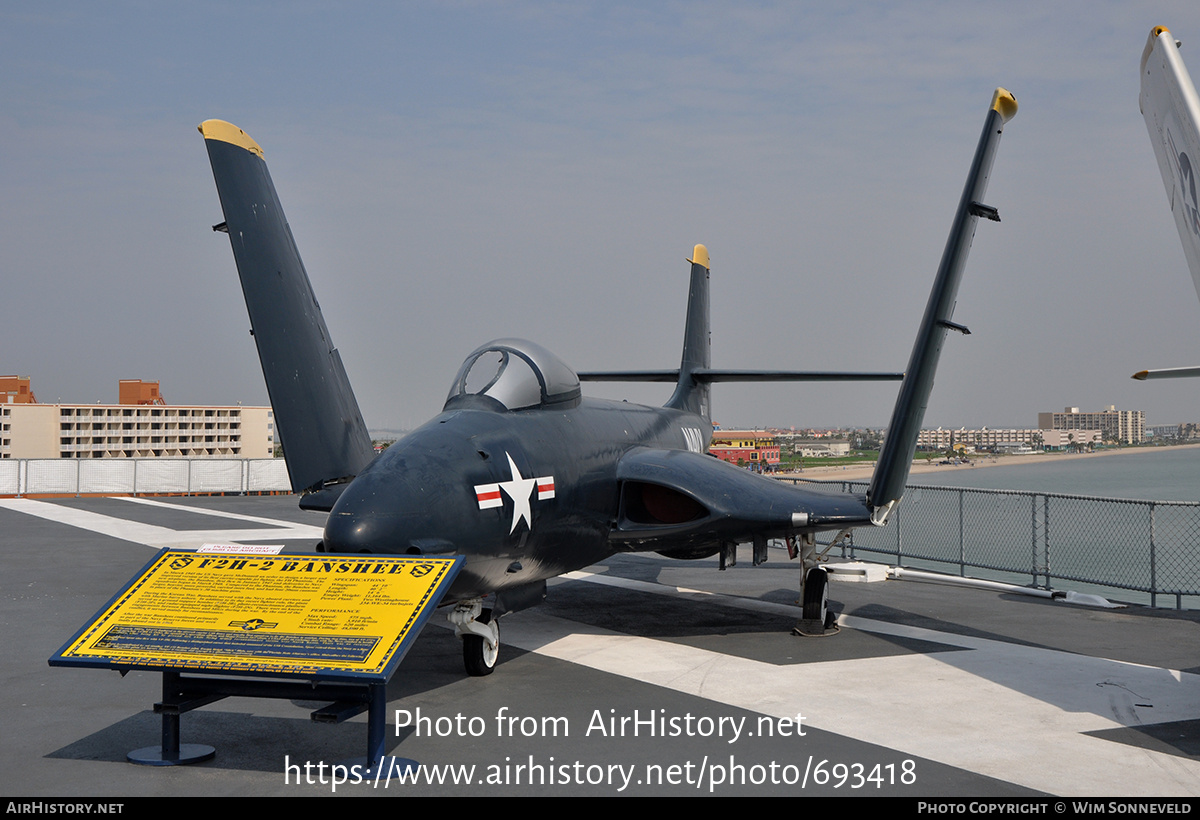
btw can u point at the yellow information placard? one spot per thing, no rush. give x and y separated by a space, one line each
312 615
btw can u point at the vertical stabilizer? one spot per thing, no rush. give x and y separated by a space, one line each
891 474
316 415
692 395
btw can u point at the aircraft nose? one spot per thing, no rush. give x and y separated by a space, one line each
349 531
417 498
392 514
363 521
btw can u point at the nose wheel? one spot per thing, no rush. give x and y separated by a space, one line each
480 636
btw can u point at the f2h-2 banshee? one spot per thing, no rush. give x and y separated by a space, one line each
522 475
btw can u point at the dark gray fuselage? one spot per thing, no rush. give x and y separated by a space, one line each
419 496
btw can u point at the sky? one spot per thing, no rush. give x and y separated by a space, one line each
455 172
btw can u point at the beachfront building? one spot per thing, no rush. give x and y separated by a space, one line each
1189 431
1071 439
140 425
753 448
981 438
821 448
1127 426
812 443
1009 439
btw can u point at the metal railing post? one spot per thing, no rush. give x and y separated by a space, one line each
1153 562
899 542
1045 538
962 546
1033 562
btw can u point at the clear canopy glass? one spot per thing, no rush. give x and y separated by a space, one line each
518 374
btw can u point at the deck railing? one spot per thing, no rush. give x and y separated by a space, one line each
1149 548
138 476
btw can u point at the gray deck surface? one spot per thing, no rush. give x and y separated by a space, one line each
965 692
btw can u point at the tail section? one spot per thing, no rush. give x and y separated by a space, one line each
692 394
695 375
891 474
317 418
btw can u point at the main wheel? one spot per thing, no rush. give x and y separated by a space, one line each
816 595
478 656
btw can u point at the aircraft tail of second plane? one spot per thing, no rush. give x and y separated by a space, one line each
1171 108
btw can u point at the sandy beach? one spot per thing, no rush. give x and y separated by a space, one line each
920 465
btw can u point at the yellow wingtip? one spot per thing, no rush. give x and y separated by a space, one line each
1155 33
699 256
230 133
1004 104
1141 375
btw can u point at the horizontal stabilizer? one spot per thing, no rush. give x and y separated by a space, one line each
317 419
1167 373
671 376
705 375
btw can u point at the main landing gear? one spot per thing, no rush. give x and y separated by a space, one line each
816 619
480 636
816 595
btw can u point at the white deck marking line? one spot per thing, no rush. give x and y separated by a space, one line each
752 604
155 536
150 502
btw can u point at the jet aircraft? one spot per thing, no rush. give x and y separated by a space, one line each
1171 109
520 473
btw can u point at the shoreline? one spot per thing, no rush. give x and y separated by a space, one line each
856 472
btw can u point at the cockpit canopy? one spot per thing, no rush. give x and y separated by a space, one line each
516 373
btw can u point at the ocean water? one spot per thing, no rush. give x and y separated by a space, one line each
1158 474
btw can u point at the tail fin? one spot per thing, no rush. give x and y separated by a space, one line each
692 394
891 474
695 375
317 418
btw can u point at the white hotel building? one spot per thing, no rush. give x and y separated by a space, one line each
31 430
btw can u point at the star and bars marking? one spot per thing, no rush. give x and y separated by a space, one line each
519 489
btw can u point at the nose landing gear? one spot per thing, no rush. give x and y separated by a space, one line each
480 636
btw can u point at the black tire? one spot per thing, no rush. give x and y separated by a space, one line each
477 658
816 595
